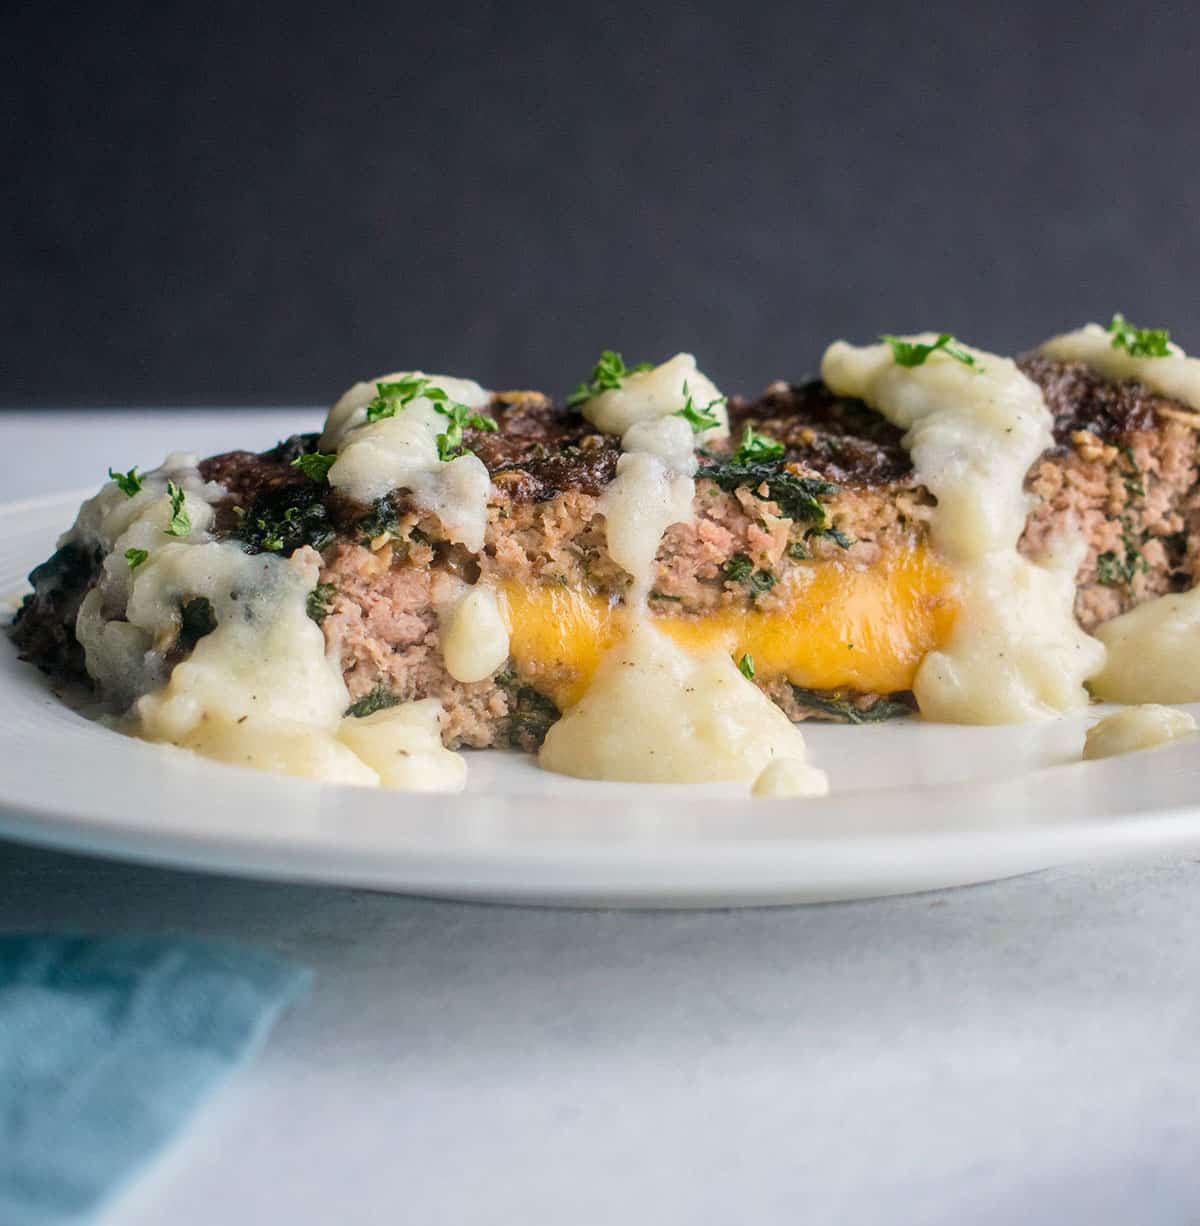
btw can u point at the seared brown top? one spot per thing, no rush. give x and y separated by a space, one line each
836 437
1081 399
542 449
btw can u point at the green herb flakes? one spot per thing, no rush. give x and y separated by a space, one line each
915 353
395 396
699 419
180 523
1118 569
746 666
1139 342
607 375
128 483
315 465
135 557
450 443
755 447
1135 484
392 397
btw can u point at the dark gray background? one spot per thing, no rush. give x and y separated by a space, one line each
248 202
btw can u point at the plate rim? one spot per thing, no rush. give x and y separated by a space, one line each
706 872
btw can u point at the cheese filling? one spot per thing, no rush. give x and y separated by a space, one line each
832 626
472 632
1016 652
654 712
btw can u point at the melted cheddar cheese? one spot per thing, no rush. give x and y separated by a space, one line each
836 626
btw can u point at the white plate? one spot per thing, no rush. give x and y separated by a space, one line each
914 807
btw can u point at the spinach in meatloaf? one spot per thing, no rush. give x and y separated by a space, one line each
1123 469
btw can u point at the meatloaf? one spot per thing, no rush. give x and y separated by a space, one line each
813 561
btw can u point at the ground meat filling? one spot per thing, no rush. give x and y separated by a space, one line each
1123 471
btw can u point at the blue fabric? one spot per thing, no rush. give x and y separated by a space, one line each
106 1047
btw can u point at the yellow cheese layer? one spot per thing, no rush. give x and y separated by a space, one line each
837 627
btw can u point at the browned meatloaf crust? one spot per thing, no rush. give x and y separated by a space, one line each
1123 466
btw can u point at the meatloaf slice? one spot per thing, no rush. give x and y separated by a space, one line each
814 561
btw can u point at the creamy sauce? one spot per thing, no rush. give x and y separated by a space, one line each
1016 653
657 714
1153 652
790 777
653 712
473 634
126 658
403 746
651 395
258 689
644 500
401 452
1176 376
1135 728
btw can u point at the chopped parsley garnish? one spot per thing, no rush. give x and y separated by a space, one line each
1139 342
798 498
756 447
379 699
606 377
180 523
699 419
319 600
315 465
135 557
393 397
914 353
746 666
128 483
450 444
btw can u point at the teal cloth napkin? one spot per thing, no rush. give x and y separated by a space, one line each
106 1046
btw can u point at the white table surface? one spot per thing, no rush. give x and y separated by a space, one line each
1027 1051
